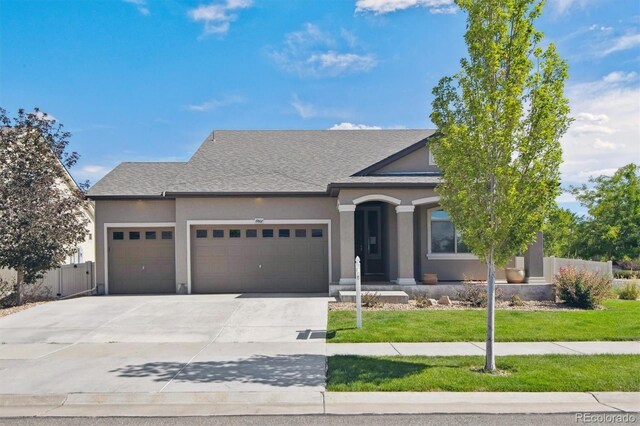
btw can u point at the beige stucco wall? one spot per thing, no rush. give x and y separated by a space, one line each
127 211
406 196
249 208
417 161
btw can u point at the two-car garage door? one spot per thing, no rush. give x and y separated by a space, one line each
259 258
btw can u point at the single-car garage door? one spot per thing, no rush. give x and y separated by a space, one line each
141 260
282 258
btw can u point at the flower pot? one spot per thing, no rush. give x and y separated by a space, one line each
514 275
430 279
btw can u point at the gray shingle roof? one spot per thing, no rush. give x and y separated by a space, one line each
255 161
136 179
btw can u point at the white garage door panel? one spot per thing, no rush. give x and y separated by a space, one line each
259 264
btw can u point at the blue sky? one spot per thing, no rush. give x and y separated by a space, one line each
146 80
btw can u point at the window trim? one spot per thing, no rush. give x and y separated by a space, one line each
444 256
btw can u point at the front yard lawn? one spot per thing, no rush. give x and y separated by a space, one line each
619 320
531 373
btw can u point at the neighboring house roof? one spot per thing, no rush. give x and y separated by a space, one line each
267 161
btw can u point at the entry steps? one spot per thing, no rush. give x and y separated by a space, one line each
383 296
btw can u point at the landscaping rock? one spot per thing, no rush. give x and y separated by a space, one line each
444 300
433 302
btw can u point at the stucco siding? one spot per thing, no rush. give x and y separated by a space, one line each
127 211
406 196
417 161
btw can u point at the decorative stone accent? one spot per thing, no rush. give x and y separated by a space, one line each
444 300
433 302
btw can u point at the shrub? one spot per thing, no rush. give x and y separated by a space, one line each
370 300
621 274
516 300
475 292
630 291
628 264
582 289
422 301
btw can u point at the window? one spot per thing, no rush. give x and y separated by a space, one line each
90 236
134 235
118 235
201 233
234 233
267 233
167 235
283 233
218 233
316 233
301 233
444 237
252 233
150 235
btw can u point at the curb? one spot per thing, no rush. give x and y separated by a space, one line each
319 403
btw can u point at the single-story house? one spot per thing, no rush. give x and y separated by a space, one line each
281 211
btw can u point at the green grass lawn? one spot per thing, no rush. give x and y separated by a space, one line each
619 320
531 373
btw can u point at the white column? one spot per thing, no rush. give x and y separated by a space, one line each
405 245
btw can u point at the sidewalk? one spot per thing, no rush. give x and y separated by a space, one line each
477 348
319 403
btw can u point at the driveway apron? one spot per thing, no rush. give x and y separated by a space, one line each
196 343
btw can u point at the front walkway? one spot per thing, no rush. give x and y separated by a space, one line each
478 348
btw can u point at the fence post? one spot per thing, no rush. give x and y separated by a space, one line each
358 291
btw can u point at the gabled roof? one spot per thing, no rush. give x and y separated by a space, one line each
263 161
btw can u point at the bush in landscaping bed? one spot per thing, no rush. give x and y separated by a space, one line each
582 289
630 291
475 292
625 275
371 300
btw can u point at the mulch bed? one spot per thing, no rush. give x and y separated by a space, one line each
455 305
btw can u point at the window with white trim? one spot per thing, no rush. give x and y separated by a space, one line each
444 237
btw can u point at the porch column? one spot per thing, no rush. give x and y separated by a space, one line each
405 245
347 245
534 263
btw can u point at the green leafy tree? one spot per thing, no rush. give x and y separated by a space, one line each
41 209
500 119
611 231
561 233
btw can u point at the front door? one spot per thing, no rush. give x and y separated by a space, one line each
368 240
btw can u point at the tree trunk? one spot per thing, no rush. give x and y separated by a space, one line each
490 361
19 279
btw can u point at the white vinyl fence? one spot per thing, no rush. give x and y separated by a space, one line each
552 265
69 280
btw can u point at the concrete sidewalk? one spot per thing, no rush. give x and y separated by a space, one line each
477 348
288 402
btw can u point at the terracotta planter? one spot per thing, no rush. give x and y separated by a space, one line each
514 275
430 279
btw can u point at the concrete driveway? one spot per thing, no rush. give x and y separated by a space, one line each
197 343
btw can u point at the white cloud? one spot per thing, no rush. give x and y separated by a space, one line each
606 131
217 17
44 116
141 5
314 52
92 172
216 103
351 126
387 6
624 42
561 7
308 110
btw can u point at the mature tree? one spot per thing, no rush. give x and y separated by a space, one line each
41 209
561 233
611 231
500 119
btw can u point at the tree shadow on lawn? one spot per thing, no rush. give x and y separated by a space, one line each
276 370
345 369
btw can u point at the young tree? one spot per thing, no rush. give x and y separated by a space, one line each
41 209
500 119
611 231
